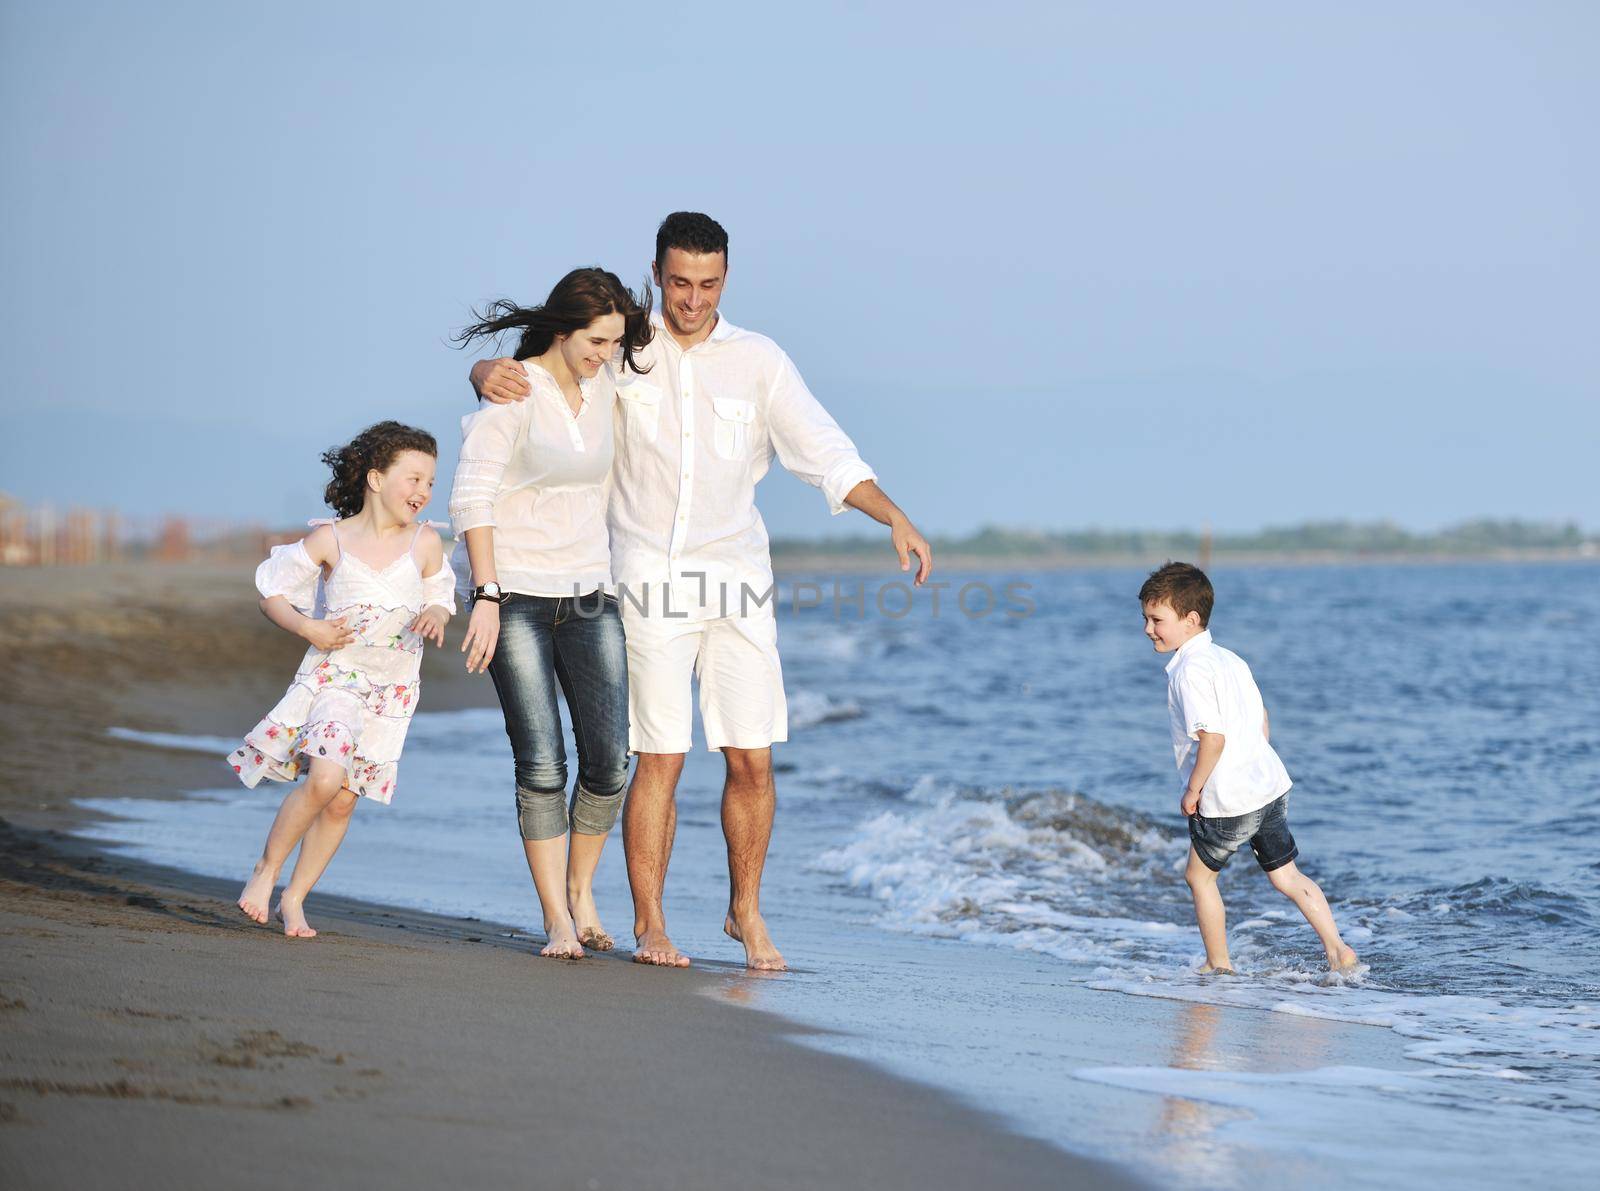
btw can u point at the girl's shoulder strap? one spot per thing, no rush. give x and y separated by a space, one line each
333 524
422 525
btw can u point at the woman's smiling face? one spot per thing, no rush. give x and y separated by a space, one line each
587 351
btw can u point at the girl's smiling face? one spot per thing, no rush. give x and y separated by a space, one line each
405 487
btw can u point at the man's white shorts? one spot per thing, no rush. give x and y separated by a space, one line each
741 682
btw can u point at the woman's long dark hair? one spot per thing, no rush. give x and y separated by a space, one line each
374 449
579 298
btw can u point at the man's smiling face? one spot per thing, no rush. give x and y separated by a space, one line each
691 286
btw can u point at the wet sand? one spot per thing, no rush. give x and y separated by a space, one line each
154 1037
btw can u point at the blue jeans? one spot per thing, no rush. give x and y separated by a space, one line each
1265 829
577 642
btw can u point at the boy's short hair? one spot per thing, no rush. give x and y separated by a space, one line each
1181 585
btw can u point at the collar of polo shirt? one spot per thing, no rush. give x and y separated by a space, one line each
1203 635
722 329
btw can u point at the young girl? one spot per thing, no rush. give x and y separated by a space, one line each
383 583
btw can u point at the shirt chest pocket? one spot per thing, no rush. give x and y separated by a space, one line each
640 404
735 425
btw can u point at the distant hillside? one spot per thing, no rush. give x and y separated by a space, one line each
1349 539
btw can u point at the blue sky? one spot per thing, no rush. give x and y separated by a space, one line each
1052 265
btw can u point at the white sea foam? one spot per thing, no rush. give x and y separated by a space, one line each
1065 876
808 708
221 746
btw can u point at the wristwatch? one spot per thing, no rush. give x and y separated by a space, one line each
488 591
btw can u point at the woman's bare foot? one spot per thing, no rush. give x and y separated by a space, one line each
759 952
1343 960
1218 970
291 912
655 948
256 899
586 918
563 942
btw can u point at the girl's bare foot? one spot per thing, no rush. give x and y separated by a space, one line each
563 942
291 912
256 899
1343 960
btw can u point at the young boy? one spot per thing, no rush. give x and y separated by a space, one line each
1236 789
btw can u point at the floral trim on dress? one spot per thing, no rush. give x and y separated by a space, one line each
394 700
280 752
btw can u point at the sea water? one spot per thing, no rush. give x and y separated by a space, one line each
977 868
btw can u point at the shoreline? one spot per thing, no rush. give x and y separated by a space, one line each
156 1036
221 1050
800 562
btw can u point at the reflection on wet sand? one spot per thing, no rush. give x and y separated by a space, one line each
1188 1129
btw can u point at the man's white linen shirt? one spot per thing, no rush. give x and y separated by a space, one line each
1211 689
694 435
539 475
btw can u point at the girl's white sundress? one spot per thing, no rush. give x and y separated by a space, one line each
351 705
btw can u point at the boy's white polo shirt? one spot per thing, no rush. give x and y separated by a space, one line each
1211 689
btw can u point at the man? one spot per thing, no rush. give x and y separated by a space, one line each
695 432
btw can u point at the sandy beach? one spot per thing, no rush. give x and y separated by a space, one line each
153 1037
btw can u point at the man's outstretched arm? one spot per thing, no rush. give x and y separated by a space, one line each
875 503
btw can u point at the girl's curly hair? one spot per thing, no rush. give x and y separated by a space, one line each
374 449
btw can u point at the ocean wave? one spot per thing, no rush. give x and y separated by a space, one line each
221 746
807 709
1101 887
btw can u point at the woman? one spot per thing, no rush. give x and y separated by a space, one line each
528 507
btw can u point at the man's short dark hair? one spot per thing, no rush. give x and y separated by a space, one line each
1181 585
690 231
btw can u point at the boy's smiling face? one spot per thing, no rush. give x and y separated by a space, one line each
1166 629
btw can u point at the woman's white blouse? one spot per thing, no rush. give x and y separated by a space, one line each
540 476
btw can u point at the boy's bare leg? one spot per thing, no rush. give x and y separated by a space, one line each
1209 912
749 798
1306 894
547 861
295 816
321 841
649 822
583 857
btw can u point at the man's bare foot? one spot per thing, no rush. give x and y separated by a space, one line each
291 912
563 942
759 952
1344 960
655 948
586 917
256 899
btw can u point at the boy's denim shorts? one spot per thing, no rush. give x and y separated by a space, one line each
1265 830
